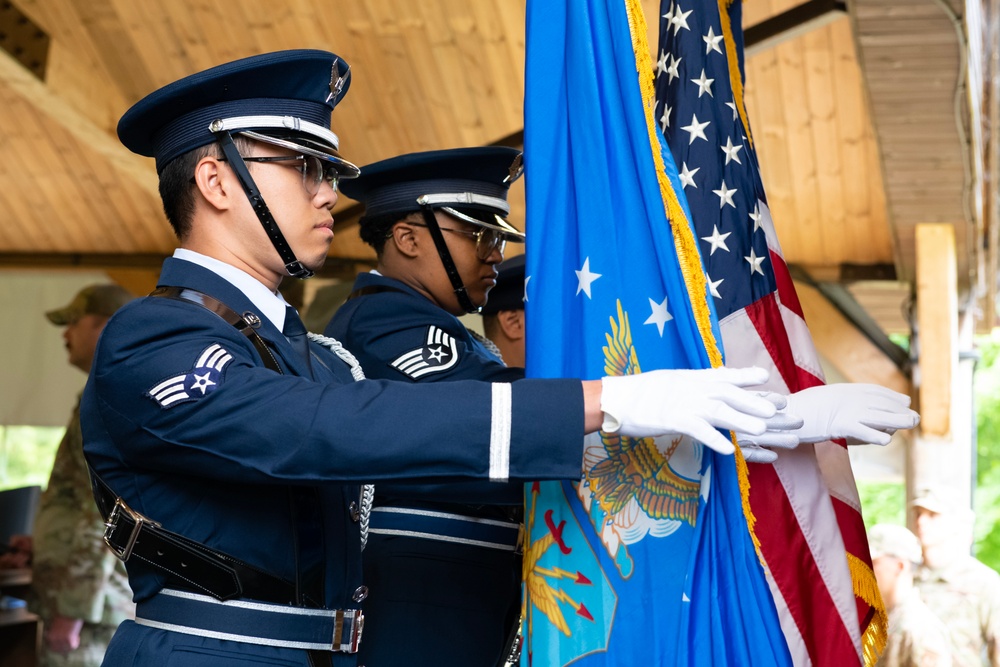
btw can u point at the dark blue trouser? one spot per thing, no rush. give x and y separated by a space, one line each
437 603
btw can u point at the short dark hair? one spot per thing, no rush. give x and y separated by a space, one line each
177 184
375 229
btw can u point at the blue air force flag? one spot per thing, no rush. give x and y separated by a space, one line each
648 560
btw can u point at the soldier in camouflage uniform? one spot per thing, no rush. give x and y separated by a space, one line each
963 592
79 588
917 638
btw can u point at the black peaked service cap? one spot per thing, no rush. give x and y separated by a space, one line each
462 181
286 94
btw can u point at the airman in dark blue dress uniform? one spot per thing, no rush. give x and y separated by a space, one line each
229 450
447 555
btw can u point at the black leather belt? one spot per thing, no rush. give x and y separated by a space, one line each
190 564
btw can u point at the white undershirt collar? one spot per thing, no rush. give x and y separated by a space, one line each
271 305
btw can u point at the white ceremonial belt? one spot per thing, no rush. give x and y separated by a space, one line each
253 622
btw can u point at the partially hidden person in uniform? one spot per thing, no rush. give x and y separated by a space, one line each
78 588
960 590
917 637
231 452
503 314
437 222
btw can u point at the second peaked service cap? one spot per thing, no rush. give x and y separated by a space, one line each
469 183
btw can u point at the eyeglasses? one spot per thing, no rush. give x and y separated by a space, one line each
313 170
487 240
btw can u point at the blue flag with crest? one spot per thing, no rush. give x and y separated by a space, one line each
648 559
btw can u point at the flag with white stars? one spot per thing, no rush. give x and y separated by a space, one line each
807 502
626 566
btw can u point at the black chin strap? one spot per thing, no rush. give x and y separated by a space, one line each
293 266
464 302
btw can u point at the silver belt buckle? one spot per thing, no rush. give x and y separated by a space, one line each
357 618
112 524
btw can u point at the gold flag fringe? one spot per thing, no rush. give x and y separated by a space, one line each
735 80
865 587
684 242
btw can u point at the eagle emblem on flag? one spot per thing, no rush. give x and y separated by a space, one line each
634 487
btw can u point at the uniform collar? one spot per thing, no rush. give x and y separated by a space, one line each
271 305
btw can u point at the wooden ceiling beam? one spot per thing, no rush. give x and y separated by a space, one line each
838 296
138 170
844 346
843 273
790 24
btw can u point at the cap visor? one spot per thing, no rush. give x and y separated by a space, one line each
313 148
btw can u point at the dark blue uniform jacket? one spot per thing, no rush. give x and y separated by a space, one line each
214 460
393 320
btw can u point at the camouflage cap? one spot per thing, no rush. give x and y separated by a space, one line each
890 540
91 300
938 499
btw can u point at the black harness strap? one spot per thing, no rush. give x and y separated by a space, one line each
244 324
464 302
292 265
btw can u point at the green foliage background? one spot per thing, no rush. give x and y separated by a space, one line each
26 455
885 502
987 499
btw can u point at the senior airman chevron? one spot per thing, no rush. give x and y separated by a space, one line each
204 378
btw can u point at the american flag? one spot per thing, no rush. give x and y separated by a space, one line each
807 508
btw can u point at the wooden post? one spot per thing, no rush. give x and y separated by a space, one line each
942 452
937 325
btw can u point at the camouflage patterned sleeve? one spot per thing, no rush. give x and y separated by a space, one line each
72 566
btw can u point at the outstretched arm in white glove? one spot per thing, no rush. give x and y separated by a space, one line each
862 412
690 402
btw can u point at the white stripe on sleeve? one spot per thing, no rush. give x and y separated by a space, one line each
500 433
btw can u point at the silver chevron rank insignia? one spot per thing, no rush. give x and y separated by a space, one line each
438 353
203 379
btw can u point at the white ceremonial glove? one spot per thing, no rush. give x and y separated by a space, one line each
780 433
864 412
688 402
